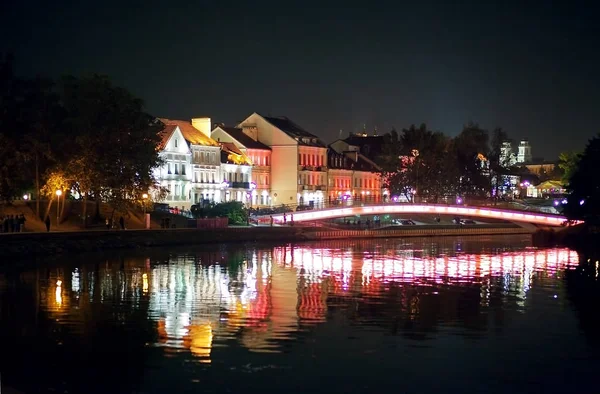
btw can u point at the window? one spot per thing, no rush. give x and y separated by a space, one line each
176 168
176 142
267 161
168 168
183 169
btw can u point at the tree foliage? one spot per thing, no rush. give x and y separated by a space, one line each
233 210
583 202
93 136
434 165
568 162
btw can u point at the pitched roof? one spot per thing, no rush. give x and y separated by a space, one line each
247 141
293 130
370 146
165 135
230 146
190 133
351 160
231 154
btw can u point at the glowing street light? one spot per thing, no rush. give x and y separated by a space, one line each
25 197
144 198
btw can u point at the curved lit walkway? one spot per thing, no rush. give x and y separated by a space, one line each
480 212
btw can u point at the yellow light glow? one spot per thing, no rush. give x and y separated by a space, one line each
58 293
199 341
145 283
145 196
59 193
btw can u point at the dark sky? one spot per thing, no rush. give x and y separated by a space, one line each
529 67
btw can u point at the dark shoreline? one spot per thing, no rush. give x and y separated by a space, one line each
25 245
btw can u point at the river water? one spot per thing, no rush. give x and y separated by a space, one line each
448 315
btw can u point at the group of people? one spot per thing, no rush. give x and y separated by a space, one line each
112 224
12 223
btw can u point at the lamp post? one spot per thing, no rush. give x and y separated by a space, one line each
58 194
144 198
415 153
252 192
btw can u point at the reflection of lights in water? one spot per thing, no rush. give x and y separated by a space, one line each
199 341
75 280
58 293
145 283
517 268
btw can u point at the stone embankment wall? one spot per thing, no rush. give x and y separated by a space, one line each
45 244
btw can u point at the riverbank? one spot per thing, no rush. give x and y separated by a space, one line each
21 245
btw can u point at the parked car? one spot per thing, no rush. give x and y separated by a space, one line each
301 208
467 221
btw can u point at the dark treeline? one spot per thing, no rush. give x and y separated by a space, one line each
80 134
433 166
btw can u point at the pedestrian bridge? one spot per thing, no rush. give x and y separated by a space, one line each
455 210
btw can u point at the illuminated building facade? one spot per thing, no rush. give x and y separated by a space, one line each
299 160
259 155
192 163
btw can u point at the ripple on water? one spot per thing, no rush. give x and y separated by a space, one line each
254 310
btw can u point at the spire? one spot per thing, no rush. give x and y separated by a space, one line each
341 132
375 132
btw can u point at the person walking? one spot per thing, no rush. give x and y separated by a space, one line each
122 223
47 222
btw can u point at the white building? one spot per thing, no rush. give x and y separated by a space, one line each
524 153
176 173
299 176
236 170
507 156
259 155
192 169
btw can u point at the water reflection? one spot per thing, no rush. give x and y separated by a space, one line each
261 298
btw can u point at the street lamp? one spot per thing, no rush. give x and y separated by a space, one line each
25 197
144 198
415 153
58 194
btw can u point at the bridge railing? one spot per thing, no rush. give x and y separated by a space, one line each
514 205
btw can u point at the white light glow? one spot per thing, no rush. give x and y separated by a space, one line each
536 218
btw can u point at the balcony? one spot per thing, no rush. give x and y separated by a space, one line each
312 168
239 185
176 198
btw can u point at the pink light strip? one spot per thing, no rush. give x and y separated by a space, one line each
536 218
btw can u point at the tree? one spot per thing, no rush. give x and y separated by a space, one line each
114 147
471 147
12 179
233 210
40 124
419 161
583 202
567 162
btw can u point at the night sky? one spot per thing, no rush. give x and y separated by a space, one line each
530 68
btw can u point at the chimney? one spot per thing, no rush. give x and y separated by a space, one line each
202 125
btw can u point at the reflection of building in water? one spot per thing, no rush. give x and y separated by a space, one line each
334 274
194 304
186 299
